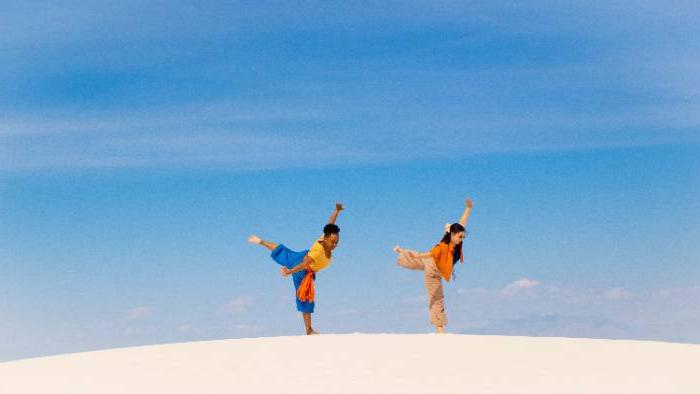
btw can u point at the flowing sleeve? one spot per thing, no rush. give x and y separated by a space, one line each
436 252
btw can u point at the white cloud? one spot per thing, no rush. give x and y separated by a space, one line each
686 292
554 324
237 305
619 294
247 327
473 292
415 300
137 313
519 286
558 295
139 331
346 312
235 136
415 105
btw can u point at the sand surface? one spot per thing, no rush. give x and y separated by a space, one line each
368 363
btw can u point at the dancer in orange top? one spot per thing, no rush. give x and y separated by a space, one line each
304 265
438 264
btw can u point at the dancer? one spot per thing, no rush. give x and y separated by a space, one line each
438 264
304 265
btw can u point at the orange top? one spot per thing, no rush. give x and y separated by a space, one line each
443 256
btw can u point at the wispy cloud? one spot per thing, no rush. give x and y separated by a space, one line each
691 292
520 286
535 308
555 325
237 305
273 140
619 294
415 300
137 313
536 290
473 292
247 327
489 81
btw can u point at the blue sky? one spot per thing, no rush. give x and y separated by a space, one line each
141 143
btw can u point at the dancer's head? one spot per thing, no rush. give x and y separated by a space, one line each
331 236
455 235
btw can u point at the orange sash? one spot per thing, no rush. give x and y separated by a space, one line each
306 291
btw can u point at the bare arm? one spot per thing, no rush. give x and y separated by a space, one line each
467 211
338 207
299 267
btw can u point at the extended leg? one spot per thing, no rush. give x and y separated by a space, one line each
254 239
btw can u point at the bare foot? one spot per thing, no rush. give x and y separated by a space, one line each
254 239
311 332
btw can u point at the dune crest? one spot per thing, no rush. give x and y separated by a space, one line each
368 363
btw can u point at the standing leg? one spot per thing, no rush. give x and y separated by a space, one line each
307 323
254 239
305 307
436 298
289 258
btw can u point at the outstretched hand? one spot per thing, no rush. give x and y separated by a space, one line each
338 207
469 203
285 271
254 239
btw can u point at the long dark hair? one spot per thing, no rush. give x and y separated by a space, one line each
454 229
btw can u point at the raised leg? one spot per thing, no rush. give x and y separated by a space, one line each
254 239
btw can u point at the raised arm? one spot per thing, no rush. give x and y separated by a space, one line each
467 211
338 207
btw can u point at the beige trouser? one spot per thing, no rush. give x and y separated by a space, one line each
436 303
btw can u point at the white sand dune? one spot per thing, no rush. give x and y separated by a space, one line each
368 363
